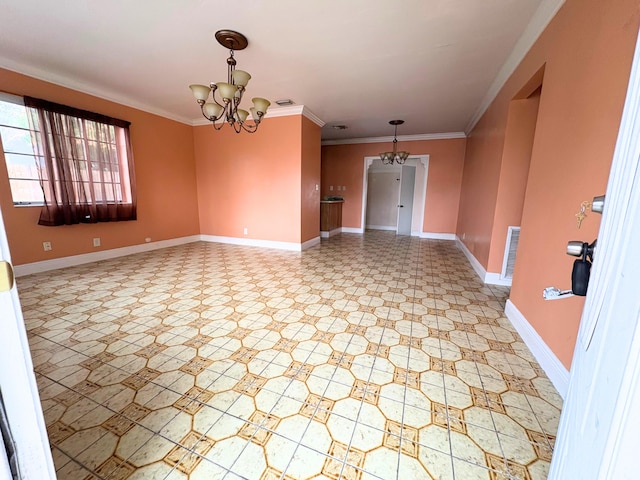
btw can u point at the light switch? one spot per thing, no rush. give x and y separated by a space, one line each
331 187
344 187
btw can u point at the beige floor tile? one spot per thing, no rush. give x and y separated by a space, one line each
221 361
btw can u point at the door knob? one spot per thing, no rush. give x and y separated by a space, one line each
400 206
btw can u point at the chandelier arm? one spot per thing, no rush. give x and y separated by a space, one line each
249 128
237 126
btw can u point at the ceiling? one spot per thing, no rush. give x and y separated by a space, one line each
358 63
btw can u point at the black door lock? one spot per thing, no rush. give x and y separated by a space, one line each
581 267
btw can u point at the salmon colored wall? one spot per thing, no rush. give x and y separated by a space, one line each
587 49
310 207
516 157
344 164
250 180
165 178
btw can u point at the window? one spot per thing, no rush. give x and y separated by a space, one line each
22 163
78 164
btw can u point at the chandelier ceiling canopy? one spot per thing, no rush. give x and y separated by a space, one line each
388 158
225 107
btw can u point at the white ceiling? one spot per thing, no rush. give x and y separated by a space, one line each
355 62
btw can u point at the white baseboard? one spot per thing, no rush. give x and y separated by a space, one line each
253 242
496 279
381 227
477 266
73 260
487 277
435 236
352 230
330 233
310 243
554 369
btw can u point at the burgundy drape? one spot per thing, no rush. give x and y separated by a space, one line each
86 165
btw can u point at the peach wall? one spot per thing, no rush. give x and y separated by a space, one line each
310 197
344 164
516 158
250 180
587 51
165 177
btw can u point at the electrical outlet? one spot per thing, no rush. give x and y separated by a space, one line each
148 239
344 187
96 242
46 246
246 231
331 188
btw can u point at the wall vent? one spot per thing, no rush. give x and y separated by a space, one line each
510 249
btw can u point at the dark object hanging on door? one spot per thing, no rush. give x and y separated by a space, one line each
582 266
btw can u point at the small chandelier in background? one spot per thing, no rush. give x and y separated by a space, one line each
398 157
230 92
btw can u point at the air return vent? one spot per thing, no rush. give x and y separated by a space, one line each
509 262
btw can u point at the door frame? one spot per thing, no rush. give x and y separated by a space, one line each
22 400
368 161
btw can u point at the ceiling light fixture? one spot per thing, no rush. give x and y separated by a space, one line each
398 157
230 92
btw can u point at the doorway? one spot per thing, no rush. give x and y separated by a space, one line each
381 210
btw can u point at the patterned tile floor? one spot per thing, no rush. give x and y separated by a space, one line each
368 357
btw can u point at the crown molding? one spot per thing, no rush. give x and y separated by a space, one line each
277 112
544 14
404 138
81 87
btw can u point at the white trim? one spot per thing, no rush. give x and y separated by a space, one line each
381 227
352 230
403 138
435 235
73 260
368 161
253 242
477 266
331 233
541 18
276 112
74 84
553 367
312 116
310 243
491 278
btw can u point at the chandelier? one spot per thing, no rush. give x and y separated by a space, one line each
399 157
226 108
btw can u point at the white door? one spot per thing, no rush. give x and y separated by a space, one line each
24 428
405 204
599 432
